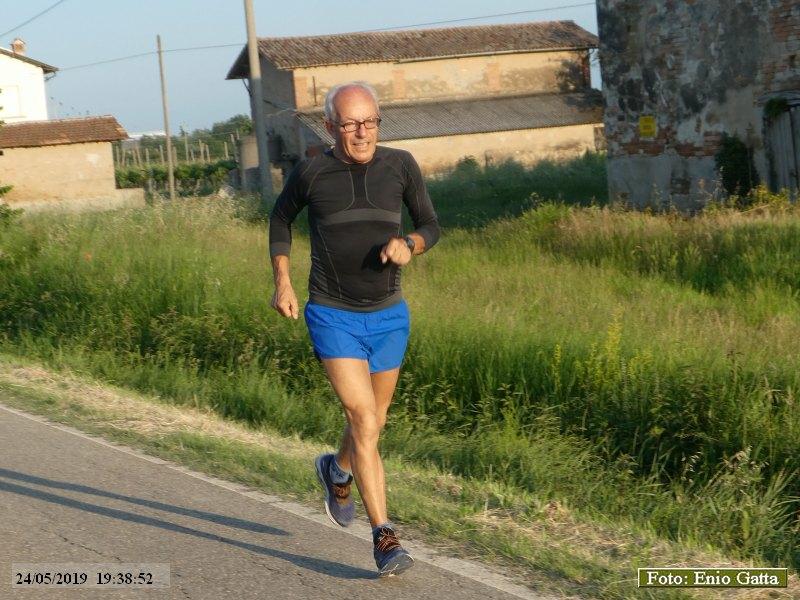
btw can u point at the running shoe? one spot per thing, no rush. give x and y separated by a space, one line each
390 557
338 501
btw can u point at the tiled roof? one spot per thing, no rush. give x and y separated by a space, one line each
45 67
410 44
29 134
480 115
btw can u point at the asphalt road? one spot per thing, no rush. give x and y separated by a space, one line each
69 498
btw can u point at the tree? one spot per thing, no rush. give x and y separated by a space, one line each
240 123
214 138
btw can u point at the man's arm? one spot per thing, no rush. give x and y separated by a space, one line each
289 203
396 250
284 300
420 208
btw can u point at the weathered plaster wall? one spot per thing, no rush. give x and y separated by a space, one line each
527 146
55 173
501 74
701 69
278 87
278 91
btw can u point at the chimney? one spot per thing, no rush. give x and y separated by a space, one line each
18 46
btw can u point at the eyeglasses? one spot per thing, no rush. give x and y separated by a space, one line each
351 126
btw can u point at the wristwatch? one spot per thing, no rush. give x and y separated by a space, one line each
410 243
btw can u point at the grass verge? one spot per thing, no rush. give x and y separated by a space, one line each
552 548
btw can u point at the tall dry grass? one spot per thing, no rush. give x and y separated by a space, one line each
634 367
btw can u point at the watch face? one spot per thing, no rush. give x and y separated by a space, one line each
410 243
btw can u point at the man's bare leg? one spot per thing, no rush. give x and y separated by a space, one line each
383 386
366 415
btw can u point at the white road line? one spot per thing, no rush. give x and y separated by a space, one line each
421 553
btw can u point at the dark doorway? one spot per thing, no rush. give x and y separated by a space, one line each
783 144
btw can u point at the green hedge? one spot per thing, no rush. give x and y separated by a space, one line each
190 178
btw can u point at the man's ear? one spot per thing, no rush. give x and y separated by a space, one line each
331 127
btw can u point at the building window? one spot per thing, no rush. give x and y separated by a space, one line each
10 105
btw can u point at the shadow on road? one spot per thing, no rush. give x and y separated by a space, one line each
313 564
178 510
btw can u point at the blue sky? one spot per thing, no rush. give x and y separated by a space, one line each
77 32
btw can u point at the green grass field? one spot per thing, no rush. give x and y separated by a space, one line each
633 367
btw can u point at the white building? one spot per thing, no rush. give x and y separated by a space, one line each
22 93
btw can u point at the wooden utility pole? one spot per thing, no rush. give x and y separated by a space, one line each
257 99
170 175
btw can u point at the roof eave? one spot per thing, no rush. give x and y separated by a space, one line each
239 68
31 61
493 53
119 132
288 67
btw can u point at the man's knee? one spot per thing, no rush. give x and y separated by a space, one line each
381 419
365 427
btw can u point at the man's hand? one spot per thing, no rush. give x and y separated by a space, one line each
284 301
396 251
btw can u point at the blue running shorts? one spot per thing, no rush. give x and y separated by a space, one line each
379 337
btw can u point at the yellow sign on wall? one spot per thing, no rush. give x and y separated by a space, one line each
647 126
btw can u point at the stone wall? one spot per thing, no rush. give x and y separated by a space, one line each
698 69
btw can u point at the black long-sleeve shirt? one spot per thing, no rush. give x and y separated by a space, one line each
353 211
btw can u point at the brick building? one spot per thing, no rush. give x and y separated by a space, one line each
519 91
678 74
63 163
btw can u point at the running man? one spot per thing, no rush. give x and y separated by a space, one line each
357 319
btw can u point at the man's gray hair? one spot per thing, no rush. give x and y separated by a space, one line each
330 109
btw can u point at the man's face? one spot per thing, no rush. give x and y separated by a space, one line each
354 105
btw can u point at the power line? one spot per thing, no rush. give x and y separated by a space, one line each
33 18
239 44
105 62
508 14
141 54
